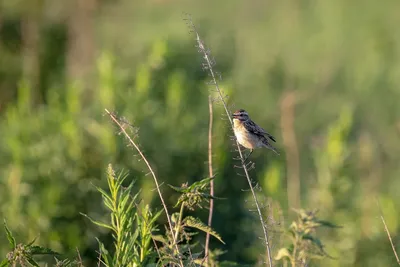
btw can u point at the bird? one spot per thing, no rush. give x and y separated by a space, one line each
249 134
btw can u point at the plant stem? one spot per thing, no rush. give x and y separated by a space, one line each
178 225
211 174
116 120
388 233
209 66
117 224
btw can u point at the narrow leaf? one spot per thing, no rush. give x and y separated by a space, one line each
31 261
314 240
98 223
328 224
31 243
200 184
10 237
179 189
196 223
104 193
160 238
155 217
38 250
105 254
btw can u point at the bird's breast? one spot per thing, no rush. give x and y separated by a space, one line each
245 138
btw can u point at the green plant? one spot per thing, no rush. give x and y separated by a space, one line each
23 254
131 224
305 243
192 196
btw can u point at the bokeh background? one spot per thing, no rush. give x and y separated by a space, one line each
322 76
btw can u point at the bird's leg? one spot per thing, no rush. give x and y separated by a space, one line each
251 151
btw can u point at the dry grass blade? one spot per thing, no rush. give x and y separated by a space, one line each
122 128
387 232
209 63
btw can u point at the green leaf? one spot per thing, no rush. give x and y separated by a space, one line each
31 243
98 223
196 223
196 185
328 224
4 263
107 259
10 237
201 184
38 250
283 252
179 189
104 194
208 196
314 240
32 261
155 217
160 238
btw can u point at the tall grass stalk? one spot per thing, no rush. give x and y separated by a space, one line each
208 65
211 174
122 128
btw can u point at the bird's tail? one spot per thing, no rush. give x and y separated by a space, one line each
269 146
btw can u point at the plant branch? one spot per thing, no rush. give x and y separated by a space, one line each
211 174
122 128
209 63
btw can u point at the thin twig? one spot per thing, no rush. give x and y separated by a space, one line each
387 232
80 262
157 249
211 174
209 63
117 121
100 261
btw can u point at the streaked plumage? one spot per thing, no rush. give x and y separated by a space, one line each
249 134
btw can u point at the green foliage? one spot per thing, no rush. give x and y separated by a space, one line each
343 65
192 222
10 237
305 244
192 196
195 194
131 225
23 254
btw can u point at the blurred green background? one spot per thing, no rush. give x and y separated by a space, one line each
322 76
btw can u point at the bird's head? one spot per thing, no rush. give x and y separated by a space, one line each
241 115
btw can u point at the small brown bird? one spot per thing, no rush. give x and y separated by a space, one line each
249 134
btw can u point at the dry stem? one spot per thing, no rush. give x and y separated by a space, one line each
388 233
211 174
117 121
209 66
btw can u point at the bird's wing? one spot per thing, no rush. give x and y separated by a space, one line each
258 130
